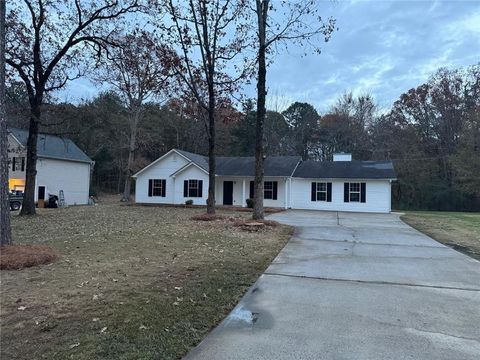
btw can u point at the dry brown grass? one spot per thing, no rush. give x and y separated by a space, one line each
459 230
154 280
15 257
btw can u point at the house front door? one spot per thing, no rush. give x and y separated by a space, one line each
228 193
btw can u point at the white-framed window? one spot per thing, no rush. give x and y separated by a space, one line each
157 188
270 189
354 192
321 191
193 188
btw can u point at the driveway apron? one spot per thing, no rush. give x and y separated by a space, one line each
355 286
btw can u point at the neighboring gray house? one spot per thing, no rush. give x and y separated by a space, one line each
339 185
61 165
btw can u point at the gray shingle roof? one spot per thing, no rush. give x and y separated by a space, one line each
345 170
200 160
53 146
245 166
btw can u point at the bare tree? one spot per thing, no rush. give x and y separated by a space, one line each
210 39
48 44
5 230
278 26
137 69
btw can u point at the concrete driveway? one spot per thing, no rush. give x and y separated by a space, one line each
355 286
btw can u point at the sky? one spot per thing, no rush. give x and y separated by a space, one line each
383 48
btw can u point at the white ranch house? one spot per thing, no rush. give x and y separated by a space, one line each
338 185
61 165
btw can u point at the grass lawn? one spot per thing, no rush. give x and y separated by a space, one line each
131 282
460 230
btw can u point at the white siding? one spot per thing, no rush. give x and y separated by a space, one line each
70 176
378 196
161 170
237 191
280 202
191 173
294 193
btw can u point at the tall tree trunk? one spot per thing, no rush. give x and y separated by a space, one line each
131 156
262 9
5 229
211 156
28 206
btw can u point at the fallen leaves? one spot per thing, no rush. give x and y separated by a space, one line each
131 267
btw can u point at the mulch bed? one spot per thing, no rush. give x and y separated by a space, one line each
208 217
16 257
244 224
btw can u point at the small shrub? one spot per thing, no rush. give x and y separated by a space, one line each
15 257
250 203
189 202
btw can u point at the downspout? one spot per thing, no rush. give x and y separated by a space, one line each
290 183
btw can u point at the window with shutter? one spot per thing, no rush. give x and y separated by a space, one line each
321 191
354 190
193 188
270 190
156 187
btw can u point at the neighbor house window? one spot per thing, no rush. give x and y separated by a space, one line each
321 191
270 189
355 192
192 188
18 164
157 187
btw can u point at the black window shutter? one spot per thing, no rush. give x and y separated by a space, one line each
164 185
363 192
329 192
252 189
13 164
346 192
185 188
275 190
200 188
23 164
314 191
150 187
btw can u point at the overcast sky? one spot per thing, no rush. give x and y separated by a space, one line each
382 47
